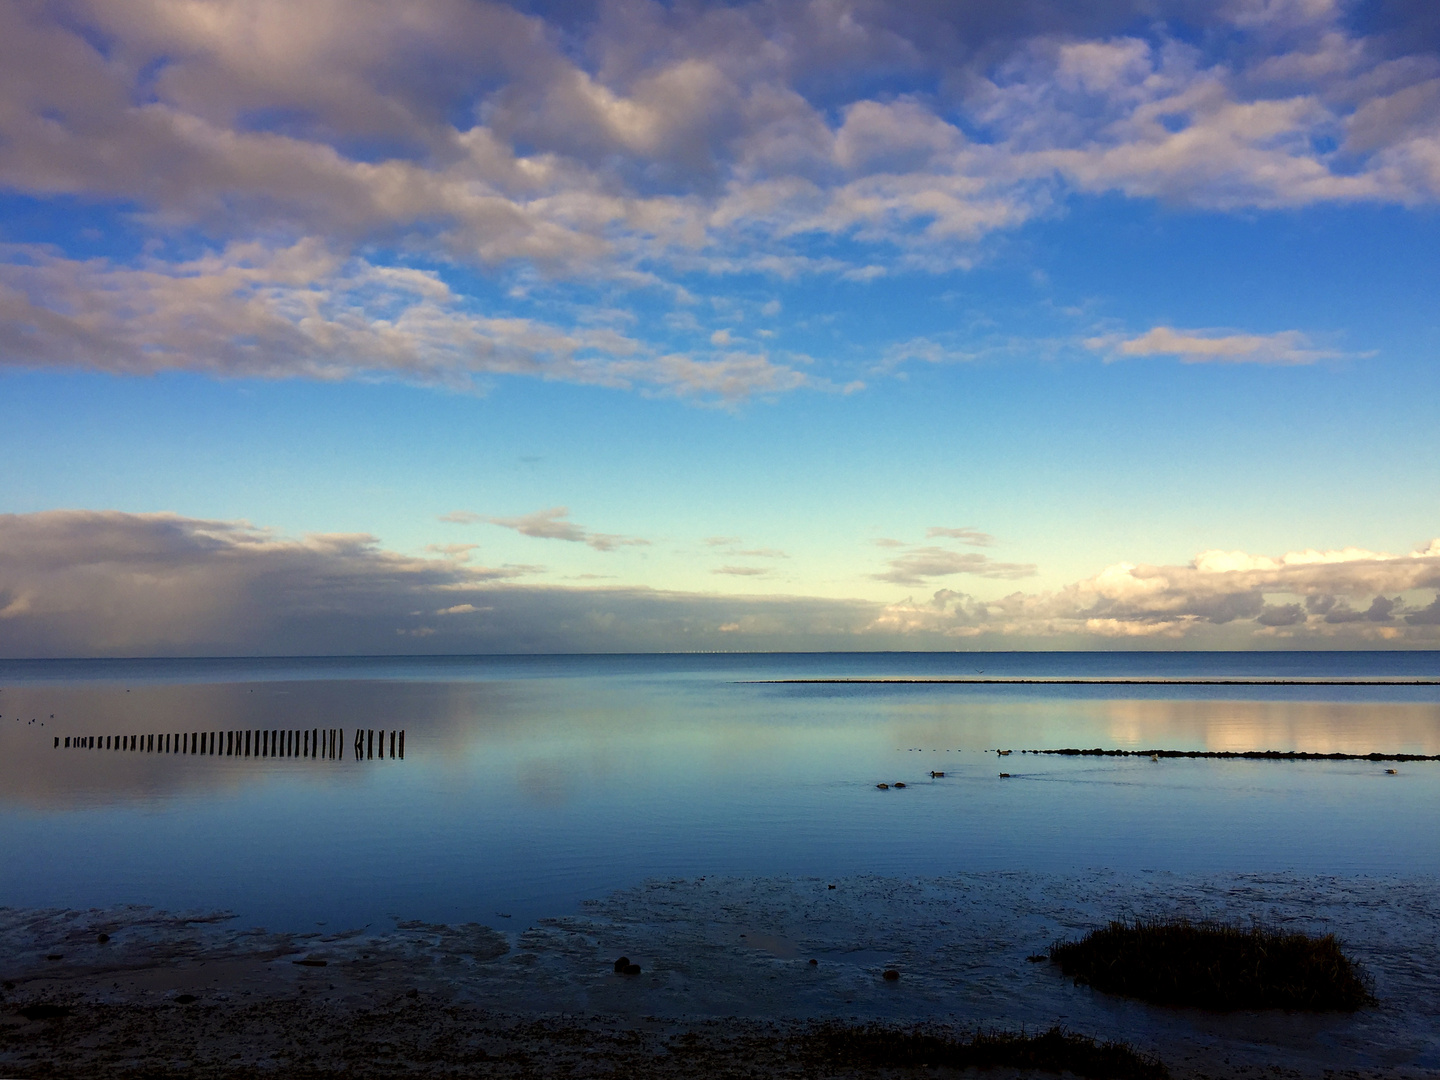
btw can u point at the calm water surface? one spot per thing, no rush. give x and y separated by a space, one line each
531 783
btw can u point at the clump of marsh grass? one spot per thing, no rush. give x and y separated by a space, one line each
1056 1050
1216 966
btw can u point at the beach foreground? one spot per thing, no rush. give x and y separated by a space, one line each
726 986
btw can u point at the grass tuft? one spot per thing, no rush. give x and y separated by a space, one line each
1056 1050
1215 966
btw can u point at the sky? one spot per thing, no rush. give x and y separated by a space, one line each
450 326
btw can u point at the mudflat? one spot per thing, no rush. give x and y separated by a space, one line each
726 985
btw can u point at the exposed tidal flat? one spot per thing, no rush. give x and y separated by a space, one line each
553 814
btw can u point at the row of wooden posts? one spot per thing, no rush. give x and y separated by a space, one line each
305 742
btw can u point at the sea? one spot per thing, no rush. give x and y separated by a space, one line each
503 790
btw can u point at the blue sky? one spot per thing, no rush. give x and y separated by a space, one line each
769 325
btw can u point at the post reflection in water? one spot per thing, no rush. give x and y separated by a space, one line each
315 743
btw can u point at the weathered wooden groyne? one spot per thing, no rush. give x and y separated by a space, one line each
318 743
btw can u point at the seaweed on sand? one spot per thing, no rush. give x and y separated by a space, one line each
1216 966
1056 1050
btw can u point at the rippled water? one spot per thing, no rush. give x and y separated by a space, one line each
529 784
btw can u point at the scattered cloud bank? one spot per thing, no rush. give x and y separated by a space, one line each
1305 598
304 310
1211 347
89 583
297 179
551 524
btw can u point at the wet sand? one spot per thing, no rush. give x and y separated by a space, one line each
726 987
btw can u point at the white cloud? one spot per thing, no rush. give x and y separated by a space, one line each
966 535
632 149
302 310
1208 347
555 524
919 564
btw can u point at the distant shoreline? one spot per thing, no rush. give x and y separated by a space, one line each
1083 680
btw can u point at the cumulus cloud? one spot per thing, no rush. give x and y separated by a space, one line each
633 148
84 583
555 524
1207 347
1221 598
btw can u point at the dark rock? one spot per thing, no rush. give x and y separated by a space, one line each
621 965
814 963
54 956
186 999
412 993
1037 958
44 1011
829 886
890 975
102 938
310 961
632 969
